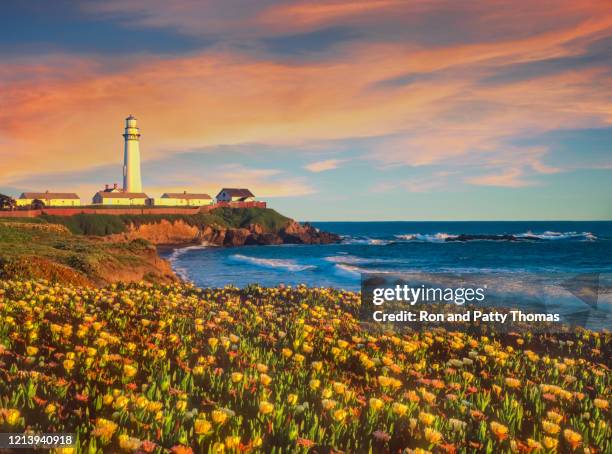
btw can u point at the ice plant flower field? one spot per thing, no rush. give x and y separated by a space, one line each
174 368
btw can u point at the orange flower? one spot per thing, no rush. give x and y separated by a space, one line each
499 430
574 439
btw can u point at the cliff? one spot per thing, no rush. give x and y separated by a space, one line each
176 232
97 250
50 251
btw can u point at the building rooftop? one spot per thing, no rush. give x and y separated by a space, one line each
48 195
237 192
122 195
184 195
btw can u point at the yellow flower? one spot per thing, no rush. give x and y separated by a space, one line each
217 448
550 443
287 352
376 404
554 416
428 397
384 381
265 379
213 342
50 408
154 406
218 416
68 364
317 366
339 388
202 426
265 407
104 429
181 405
601 403
292 399
550 427
512 382
314 384
339 415
426 418
262 368
298 358
31 351
121 402
499 430
12 416
232 441
236 377
432 436
129 444
574 439
129 371
399 409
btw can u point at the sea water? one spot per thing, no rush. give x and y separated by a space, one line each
567 248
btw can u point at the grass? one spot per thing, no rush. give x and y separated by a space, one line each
106 224
27 248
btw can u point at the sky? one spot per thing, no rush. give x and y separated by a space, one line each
328 110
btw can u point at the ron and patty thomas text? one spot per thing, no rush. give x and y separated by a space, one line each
458 296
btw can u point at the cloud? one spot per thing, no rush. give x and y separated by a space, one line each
511 178
321 166
461 101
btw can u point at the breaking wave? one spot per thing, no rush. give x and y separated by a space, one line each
548 235
366 240
283 264
526 236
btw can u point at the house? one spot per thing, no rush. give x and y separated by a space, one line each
107 188
7 202
48 199
235 195
119 198
179 199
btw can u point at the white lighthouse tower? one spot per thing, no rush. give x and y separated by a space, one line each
132 181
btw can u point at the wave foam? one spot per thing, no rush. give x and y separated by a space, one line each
366 240
550 235
427 237
442 237
289 265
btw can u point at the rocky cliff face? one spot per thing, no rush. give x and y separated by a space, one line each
179 232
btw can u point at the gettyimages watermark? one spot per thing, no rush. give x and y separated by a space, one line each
501 302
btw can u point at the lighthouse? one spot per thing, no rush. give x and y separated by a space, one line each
132 181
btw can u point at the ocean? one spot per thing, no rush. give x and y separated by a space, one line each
553 247
563 248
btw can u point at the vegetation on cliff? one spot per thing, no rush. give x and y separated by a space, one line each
36 249
173 368
108 224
